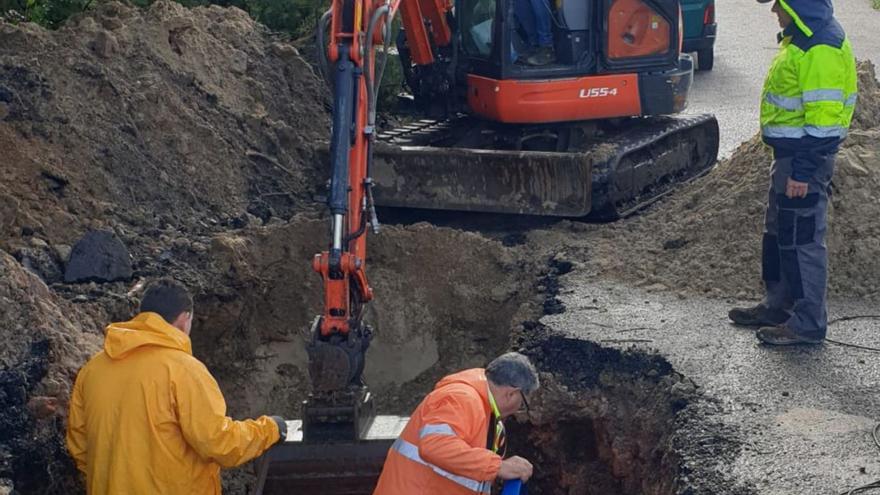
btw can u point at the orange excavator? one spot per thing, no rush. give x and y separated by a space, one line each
592 132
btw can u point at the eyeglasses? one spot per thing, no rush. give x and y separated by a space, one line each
524 405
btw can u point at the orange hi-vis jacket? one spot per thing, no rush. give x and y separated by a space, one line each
146 417
443 450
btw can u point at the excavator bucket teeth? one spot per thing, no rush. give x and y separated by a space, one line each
534 183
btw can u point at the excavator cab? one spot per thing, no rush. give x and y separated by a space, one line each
614 34
634 44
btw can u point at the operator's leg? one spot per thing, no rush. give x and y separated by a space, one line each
526 18
541 12
543 31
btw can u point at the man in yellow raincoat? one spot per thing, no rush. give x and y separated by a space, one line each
146 417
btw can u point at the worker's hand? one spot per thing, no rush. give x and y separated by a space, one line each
282 428
796 189
515 468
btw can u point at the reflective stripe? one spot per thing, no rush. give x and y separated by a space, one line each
411 452
785 102
823 95
797 19
441 429
799 132
825 131
851 101
784 132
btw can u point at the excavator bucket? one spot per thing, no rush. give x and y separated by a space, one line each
327 468
623 171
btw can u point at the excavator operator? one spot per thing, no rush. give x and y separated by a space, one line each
534 18
454 442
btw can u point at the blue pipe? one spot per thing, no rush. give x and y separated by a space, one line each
514 487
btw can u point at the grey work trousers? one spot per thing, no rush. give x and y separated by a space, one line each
794 257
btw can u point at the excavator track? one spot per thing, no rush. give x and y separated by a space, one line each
470 165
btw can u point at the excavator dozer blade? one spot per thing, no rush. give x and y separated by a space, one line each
340 468
495 181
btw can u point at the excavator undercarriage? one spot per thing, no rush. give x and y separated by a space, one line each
603 171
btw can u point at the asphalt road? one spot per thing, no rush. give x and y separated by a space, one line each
744 49
793 420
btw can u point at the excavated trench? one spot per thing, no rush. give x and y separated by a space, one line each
445 300
603 422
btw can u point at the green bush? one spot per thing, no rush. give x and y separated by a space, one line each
296 17
49 13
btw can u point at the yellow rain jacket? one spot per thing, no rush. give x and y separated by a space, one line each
146 417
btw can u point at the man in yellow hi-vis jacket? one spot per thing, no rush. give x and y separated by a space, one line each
806 108
146 417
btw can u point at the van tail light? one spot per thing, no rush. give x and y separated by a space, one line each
709 14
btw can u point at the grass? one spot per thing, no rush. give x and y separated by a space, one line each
876 4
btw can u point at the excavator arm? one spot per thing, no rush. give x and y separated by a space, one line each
340 405
340 444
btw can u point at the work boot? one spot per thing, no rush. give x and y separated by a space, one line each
782 335
522 56
542 56
758 316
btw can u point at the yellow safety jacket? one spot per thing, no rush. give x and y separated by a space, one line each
810 91
146 417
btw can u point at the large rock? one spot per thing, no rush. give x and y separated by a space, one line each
99 256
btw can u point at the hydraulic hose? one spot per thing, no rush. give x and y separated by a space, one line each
371 82
320 43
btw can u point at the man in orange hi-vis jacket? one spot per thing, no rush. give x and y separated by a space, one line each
454 442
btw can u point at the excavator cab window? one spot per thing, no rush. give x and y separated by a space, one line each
477 24
551 37
582 37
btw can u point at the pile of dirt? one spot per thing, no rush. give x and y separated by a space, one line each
165 119
165 126
707 237
45 341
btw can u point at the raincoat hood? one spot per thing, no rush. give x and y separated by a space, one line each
810 16
474 378
145 329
